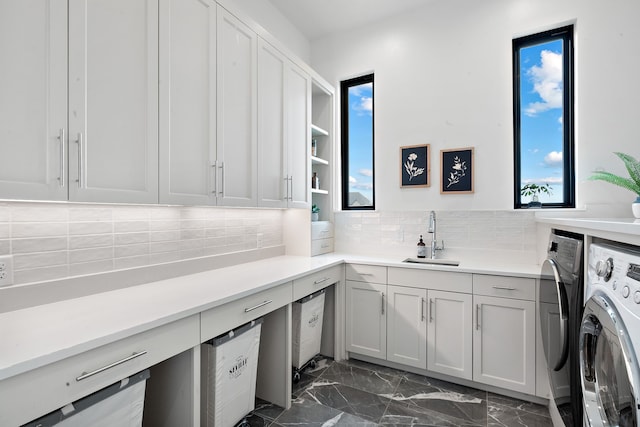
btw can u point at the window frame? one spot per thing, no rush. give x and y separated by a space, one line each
566 34
344 140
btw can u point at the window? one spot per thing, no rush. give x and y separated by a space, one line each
543 117
356 101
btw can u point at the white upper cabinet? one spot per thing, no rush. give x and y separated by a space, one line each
33 99
113 100
298 119
283 130
187 101
236 164
273 181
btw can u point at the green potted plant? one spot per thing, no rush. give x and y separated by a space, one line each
632 183
315 213
534 190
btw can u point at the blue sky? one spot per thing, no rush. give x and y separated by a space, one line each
541 117
361 140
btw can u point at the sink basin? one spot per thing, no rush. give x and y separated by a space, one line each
432 261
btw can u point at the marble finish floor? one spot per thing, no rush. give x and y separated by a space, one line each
355 393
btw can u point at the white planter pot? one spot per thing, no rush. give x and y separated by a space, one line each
635 207
315 216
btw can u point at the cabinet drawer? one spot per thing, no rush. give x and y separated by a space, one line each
321 246
431 279
316 281
504 286
219 320
366 273
42 390
321 230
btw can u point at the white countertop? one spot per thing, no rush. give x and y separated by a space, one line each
626 230
36 336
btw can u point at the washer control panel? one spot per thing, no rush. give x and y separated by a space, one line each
617 269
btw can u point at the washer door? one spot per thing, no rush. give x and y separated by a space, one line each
609 370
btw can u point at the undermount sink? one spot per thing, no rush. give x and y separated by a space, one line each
432 261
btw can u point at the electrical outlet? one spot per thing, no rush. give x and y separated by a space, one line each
6 270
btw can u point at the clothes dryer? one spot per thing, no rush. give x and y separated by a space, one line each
610 337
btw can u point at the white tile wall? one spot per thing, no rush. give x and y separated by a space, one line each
56 240
399 231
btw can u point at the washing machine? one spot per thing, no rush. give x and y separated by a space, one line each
610 337
561 289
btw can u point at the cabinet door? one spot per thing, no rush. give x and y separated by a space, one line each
187 101
450 341
366 319
273 182
33 99
298 136
407 326
504 343
113 100
236 110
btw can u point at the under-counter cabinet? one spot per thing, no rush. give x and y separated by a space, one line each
449 343
504 332
99 142
407 326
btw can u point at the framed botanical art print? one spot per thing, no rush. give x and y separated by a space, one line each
415 167
456 169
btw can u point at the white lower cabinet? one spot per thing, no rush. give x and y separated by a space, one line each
483 331
366 319
407 326
450 343
504 343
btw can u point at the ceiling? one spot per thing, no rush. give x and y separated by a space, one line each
317 18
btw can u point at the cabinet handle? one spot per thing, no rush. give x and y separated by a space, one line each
504 288
422 304
80 143
477 317
262 304
221 167
317 282
430 310
114 364
291 185
214 166
62 157
382 299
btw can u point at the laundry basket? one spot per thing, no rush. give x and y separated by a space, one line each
120 404
230 368
307 331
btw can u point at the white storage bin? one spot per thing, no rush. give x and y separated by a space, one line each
230 368
307 328
120 404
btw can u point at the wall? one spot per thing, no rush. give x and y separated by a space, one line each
272 20
443 76
56 240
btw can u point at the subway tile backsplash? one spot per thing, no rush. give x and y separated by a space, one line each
57 240
398 231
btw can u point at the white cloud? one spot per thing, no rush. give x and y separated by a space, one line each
547 83
553 159
366 172
363 106
551 180
357 90
363 186
533 150
352 180
560 119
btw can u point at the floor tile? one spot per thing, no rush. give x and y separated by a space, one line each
347 399
401 415
508 412
266 410
461 405
519 405
362 379
372 367
307 412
